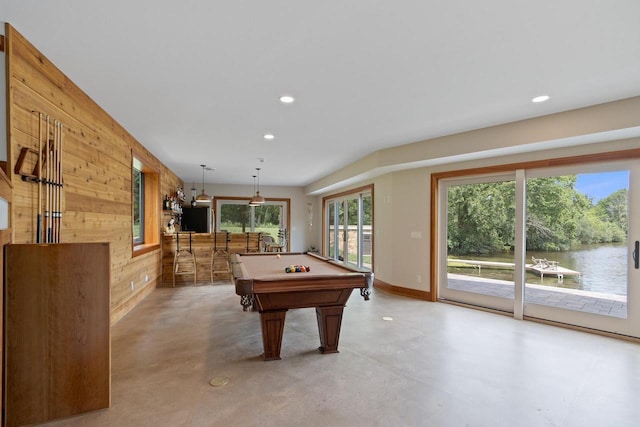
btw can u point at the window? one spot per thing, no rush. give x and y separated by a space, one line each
233 214
145 205
138 202
348 227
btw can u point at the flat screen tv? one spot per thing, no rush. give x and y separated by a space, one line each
195 219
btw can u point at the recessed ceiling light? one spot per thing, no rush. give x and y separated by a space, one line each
540 98
286 99
269 136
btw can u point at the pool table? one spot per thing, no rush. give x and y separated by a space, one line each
262 283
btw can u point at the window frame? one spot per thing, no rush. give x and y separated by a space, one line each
286 202
354 194
150 170
137 169
438 178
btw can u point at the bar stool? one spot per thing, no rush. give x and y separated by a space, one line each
220 254
184 262
254 242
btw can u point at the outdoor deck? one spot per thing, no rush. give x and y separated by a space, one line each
572 299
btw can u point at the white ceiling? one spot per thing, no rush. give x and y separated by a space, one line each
198 81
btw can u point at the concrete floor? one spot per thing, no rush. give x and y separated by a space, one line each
434 364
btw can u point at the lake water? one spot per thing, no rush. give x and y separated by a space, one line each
603 268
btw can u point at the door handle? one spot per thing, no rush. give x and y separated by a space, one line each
636 253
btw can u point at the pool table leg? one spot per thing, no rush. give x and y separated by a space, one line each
272 329
329 322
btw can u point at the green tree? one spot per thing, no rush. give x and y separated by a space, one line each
554 209
613 209
480 218
605 222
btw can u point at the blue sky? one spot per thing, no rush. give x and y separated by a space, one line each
600 185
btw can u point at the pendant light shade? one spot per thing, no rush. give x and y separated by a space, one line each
203 197
252 201
257 199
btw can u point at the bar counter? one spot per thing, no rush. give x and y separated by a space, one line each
202 245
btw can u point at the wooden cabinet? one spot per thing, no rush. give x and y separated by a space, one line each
57 330
5 238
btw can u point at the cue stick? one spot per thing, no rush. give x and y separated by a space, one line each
47 213
52 182
52 166
59 213
39 215
58 192
54 218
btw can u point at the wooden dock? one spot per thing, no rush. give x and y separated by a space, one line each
556 270
552 269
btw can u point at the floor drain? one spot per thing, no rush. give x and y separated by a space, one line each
218 381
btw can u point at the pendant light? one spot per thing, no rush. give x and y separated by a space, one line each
203 197
251 201
257 199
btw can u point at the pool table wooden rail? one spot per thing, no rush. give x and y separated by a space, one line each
327 287
247 286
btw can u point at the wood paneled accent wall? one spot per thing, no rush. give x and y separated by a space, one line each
96 169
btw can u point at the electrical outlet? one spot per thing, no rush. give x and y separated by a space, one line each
419 278
146 278
132 288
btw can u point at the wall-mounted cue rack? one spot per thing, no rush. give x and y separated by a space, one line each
47 174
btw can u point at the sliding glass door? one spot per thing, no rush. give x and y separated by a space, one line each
477 253
573 262
349 227
580 240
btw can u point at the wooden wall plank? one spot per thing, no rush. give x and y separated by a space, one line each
96 169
